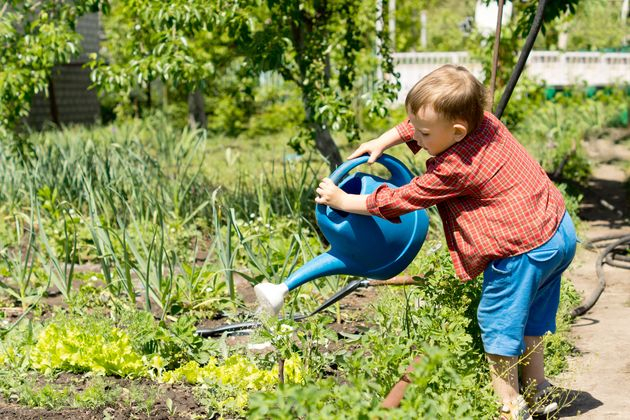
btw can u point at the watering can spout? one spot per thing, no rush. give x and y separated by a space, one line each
271 296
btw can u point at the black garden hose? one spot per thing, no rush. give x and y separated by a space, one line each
218 331
245 327
615 254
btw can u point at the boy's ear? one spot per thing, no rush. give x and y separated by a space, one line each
459 131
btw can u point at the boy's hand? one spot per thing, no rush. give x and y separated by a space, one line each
330 195
374 147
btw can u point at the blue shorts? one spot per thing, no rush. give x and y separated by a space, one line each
520 294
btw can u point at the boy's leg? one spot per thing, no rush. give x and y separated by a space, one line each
502 315
511 288
539 393
504 373
532 363
541 319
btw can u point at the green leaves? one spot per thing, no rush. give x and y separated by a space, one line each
86 344
154 40
34 37
327 50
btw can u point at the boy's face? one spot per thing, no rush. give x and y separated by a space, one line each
434 133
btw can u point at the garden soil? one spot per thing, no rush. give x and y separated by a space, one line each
599 373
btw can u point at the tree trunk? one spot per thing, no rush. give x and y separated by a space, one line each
196 109
323 139
327 147
149 95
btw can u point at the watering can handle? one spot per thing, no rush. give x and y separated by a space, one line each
395 167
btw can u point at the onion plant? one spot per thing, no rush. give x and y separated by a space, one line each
19 262
61 270
225 249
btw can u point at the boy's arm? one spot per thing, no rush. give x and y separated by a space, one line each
331 195
376 147
406 131
444 181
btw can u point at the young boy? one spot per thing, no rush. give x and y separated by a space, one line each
501 214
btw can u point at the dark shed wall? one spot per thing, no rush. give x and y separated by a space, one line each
75 102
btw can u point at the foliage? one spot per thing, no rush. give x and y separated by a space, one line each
17 263
314 45
149 40
553 10
86 344
35 36
325 399
558 346
95 344
92 393
165 346
572 203
277 108
554 130
25 390
594 25
225 387
16 344
447 26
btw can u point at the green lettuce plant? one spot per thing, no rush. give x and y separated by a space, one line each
86 344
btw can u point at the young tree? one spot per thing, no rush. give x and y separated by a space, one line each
316 44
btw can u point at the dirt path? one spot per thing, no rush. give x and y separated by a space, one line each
599 375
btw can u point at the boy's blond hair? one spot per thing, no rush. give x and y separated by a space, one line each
453 93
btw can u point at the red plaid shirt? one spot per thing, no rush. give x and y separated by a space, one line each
494 199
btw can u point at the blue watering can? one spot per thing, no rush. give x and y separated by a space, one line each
365 246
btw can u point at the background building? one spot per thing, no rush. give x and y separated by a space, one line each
70 100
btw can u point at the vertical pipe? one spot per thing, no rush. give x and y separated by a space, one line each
423 30
392 23
379 31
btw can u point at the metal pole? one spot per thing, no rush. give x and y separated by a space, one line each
522 59
495 55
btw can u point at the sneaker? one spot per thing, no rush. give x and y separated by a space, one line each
515 410
544 401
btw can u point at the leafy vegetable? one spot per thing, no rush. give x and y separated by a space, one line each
87 344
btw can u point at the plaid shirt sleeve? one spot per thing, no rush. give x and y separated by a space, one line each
494 198
405 130
442 181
